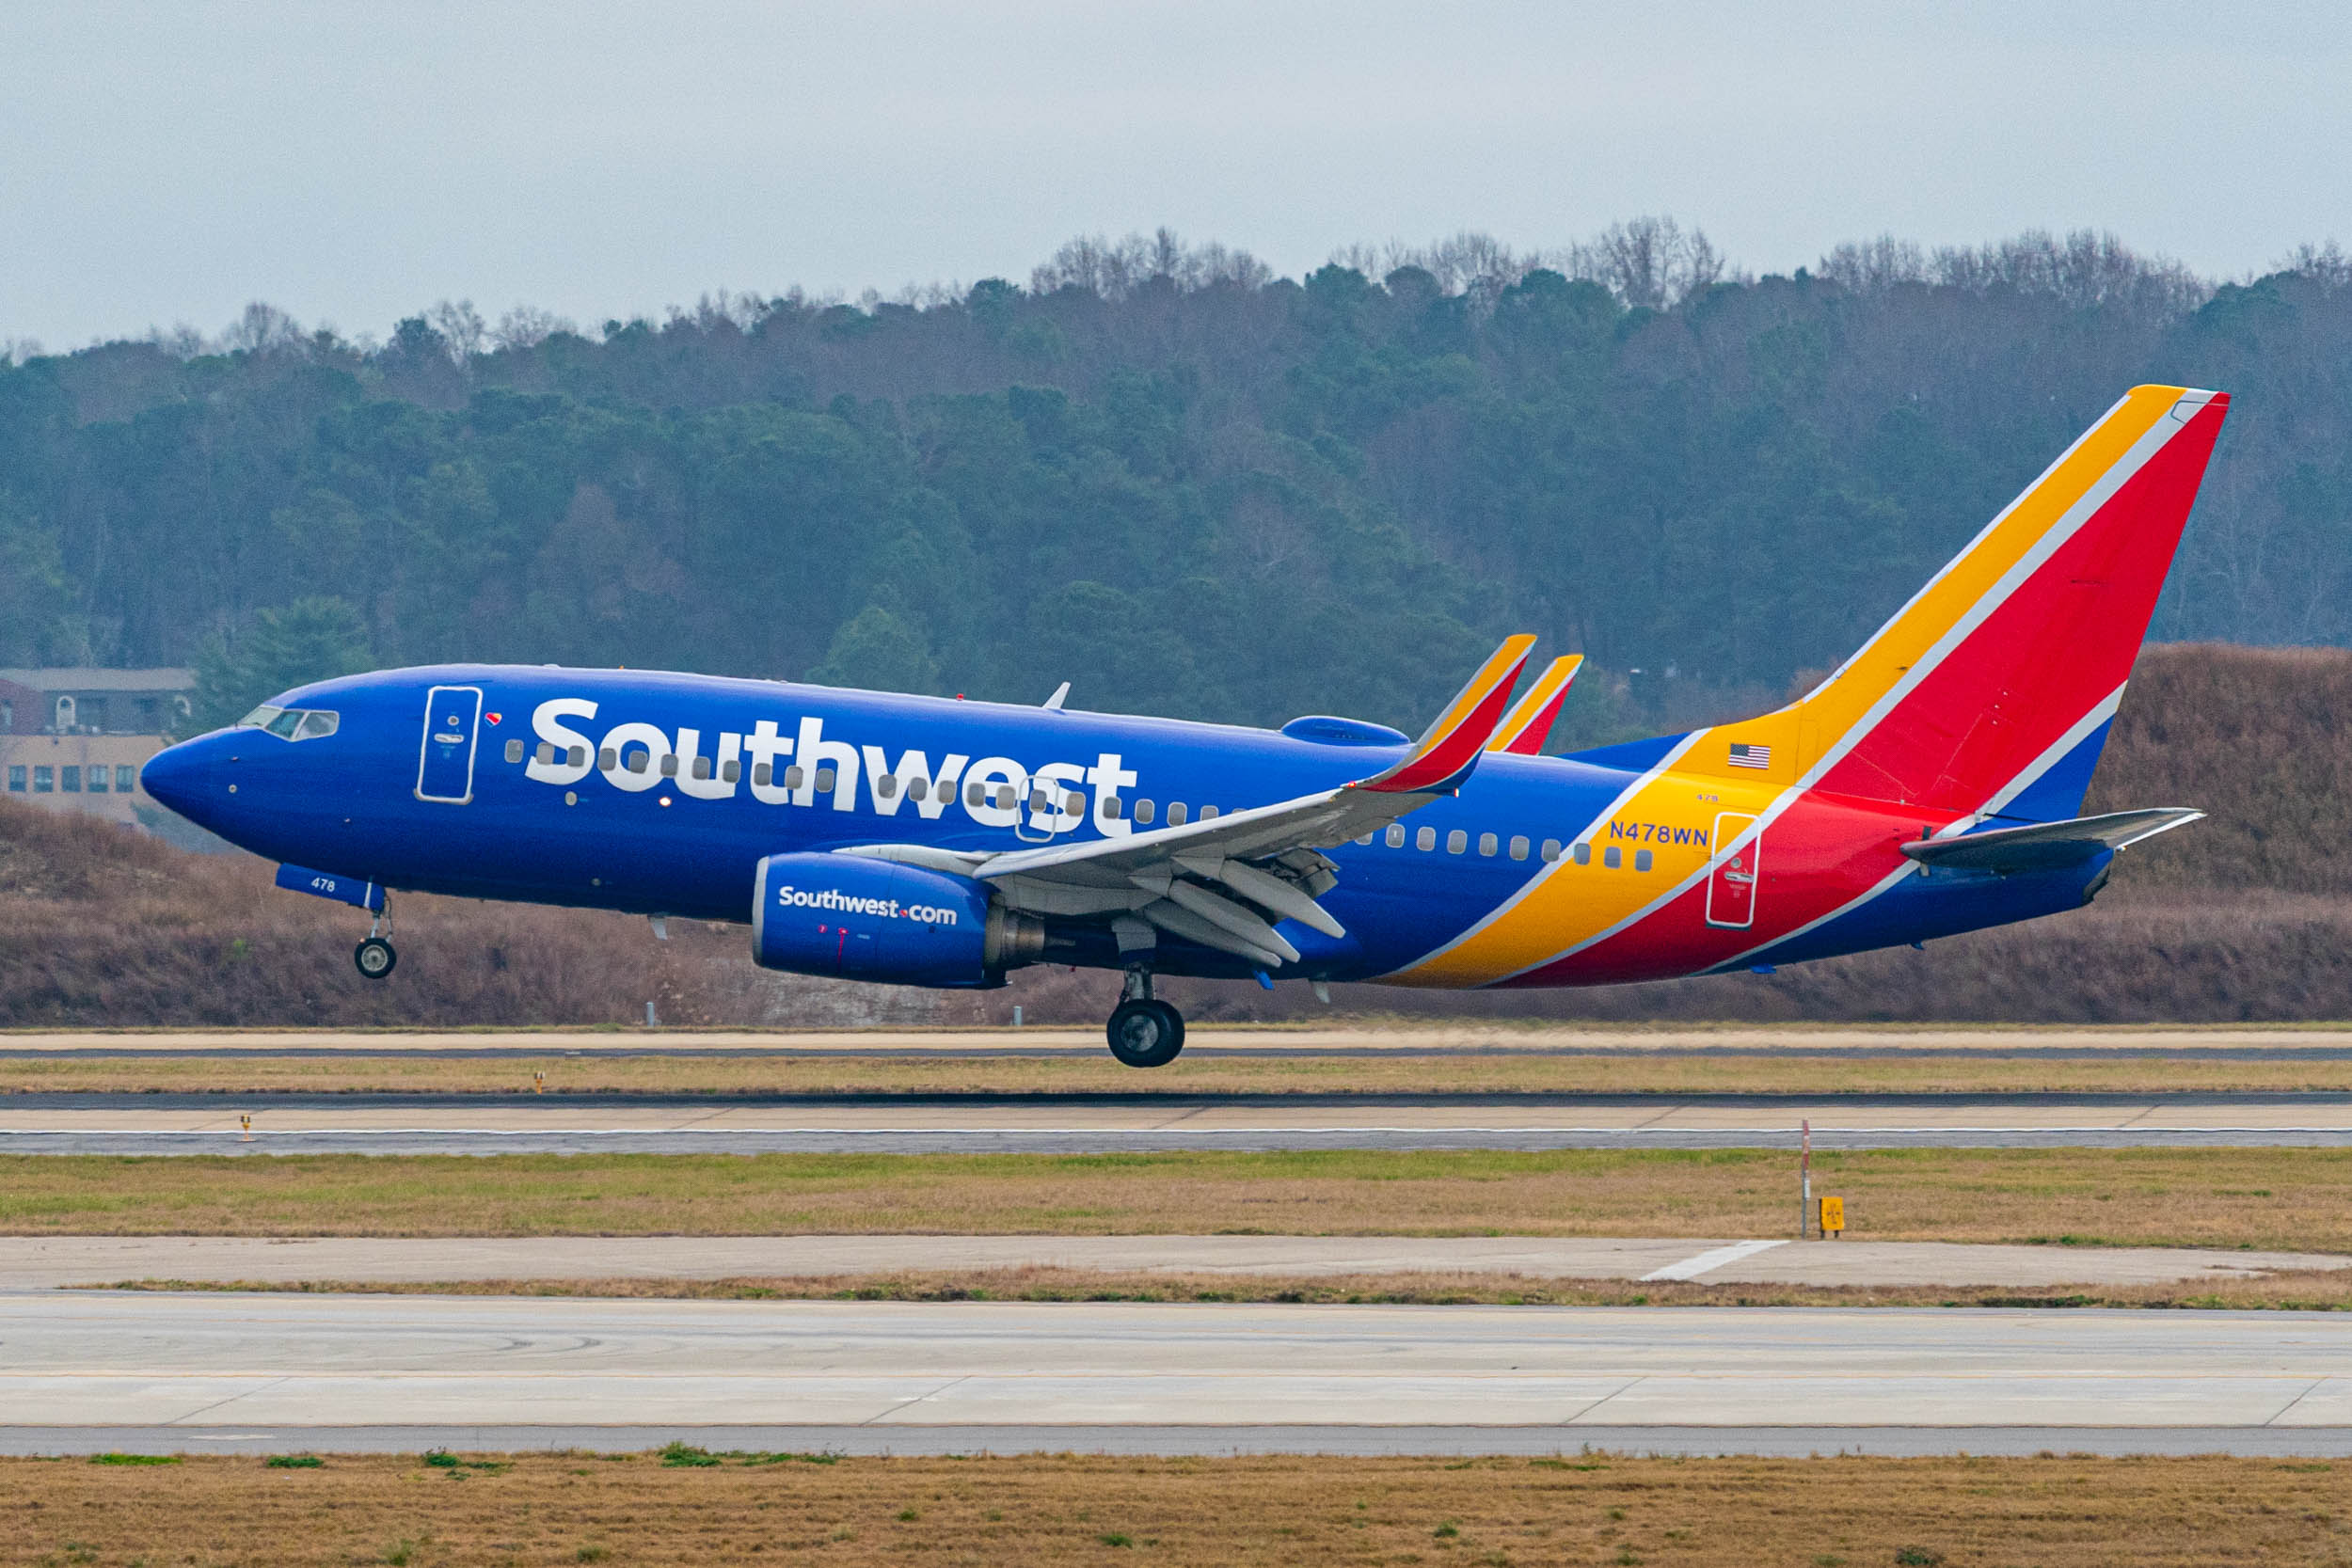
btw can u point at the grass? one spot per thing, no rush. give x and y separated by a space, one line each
1046 1511
1640 1067
2268 1198
2292 1290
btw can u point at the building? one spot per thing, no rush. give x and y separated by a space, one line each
74 739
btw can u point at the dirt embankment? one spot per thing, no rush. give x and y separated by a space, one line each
2244 917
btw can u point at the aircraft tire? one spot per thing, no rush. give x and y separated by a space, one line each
374 957
1146 1034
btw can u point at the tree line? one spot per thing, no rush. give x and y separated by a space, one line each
1160 472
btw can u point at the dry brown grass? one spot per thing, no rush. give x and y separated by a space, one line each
2267 1198
575 1080
98 926
2287 1290
1046 1511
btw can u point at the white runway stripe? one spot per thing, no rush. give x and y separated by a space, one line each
1713 1258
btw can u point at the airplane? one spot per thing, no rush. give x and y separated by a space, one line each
1930 785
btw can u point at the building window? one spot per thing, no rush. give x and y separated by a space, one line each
147 716
126 778
70 778
94 713
16 780
97 778
7 716
45 783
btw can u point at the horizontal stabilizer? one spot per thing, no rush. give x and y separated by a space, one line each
1528 725
2047 846
1449 749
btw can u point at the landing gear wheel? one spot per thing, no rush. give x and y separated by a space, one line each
1146 1034
374 957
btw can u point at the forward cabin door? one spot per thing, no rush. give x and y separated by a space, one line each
452 725
1731 885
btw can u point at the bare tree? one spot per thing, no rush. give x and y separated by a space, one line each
262 329
461 327
528 326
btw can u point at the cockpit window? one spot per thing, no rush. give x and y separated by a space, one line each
291 724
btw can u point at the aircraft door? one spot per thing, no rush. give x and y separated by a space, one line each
452 724
1731 882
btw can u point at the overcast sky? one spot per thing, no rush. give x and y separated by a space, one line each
353 163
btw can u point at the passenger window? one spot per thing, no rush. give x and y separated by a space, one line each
70 778
580 757
975 796
1612 857
732 772
761 773
1641 860
545 752
16 780
1456 841
702 768
1395 836
1551 851
824 779
1208 814
514 751
639 760
1487 843
126 778
1004 797
1518 848
1583 854
791 778
885 786
1366 841
668 765
607 759
1176 815
1425 839
1145 811
1114 808
918 788
1073 805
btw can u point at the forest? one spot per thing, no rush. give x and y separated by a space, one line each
1158 471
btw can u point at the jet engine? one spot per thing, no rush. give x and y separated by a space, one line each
864 919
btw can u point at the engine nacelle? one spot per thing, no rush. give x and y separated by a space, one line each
864 919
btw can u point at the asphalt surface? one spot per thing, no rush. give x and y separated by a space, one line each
1098 1123
38 1262
1435 1039
201 1372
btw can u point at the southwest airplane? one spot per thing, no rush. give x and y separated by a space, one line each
1932 785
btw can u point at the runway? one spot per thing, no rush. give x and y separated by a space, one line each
1086 1124
1207 1041
38 1262
193 1372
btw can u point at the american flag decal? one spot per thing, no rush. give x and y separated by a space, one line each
1746 755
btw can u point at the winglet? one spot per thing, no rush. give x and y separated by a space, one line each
1528 725
1449 749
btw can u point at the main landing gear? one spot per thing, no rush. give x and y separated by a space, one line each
1144 1031
375 957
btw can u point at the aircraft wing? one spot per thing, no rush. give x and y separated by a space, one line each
1217 881
1528 725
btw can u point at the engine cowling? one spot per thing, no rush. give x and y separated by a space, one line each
864 919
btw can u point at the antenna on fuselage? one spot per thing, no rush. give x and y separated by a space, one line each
1054 702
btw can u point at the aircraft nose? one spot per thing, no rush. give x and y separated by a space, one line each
180 776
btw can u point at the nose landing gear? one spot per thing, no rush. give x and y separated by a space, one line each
1144 1031
374 957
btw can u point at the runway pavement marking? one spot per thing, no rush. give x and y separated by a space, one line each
1713 1258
